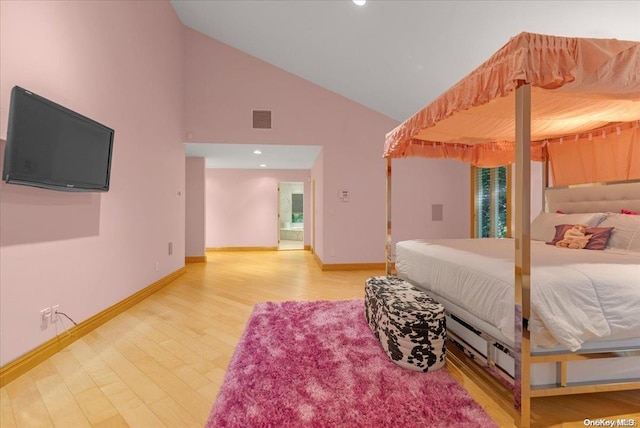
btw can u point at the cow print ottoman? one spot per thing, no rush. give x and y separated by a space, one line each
409 324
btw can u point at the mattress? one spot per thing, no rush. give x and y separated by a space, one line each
576 295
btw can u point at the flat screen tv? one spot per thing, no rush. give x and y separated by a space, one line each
52 147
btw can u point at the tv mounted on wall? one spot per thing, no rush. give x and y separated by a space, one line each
52 147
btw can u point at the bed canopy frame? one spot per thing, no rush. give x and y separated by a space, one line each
542 98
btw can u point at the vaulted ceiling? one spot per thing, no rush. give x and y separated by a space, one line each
395 56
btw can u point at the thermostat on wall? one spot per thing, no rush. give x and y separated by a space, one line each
344 195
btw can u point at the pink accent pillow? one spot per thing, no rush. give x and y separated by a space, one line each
598 240
599 237
623 211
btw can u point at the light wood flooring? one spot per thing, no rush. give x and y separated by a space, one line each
284 244
161 362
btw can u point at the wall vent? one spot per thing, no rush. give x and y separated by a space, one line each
261 119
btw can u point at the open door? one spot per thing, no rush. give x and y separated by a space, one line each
291 216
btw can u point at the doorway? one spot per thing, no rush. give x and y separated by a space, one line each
291 216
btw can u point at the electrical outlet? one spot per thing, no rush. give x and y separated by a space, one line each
170 248
157 266
45 315
54 315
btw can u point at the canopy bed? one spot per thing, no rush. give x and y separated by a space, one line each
573 104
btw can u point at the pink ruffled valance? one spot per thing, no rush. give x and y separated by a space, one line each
486 155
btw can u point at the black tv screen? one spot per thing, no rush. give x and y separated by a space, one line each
55 148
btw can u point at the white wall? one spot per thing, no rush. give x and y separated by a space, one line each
287 189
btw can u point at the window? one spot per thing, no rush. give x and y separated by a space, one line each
296 208
490 189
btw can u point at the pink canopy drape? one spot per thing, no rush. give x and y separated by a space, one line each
580 89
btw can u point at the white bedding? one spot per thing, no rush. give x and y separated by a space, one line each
576 295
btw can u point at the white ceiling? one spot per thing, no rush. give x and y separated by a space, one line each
242 156
395 56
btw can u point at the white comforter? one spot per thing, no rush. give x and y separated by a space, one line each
576 295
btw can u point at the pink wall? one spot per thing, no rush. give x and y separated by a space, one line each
317 179
135 68
195 222
223 85
431 181
242 206
119 63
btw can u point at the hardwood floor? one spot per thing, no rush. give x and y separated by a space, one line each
161 362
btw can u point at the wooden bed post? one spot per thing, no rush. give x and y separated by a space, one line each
522 351
388 237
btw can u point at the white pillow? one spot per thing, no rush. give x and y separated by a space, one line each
543 227
626 232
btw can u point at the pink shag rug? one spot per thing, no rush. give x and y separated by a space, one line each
317 364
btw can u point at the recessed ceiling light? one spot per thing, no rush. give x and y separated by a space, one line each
359 2
257 152
263 165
